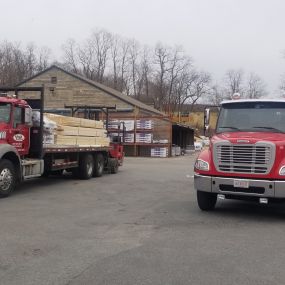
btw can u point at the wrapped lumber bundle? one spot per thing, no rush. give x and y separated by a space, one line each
49 127
78 131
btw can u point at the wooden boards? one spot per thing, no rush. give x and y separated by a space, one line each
78 131
81 141
74 122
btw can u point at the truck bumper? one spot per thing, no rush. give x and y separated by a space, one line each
257 188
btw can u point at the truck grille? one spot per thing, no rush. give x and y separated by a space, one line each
244 158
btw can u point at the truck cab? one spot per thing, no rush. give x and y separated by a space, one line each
15 123
246 155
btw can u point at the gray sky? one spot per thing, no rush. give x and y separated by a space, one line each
217 34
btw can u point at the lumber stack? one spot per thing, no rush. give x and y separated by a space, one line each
78 131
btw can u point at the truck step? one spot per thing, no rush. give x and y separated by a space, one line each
30 162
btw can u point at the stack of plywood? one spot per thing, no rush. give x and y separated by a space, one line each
78 131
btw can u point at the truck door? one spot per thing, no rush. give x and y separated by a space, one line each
20 132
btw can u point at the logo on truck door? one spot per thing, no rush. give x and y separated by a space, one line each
18 137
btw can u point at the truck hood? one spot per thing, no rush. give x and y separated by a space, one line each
249 137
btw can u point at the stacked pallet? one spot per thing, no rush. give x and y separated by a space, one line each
116 124
78 131
143 124
159 152
144 137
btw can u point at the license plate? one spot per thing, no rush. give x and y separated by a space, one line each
241 183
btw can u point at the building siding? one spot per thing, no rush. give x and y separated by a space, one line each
70 91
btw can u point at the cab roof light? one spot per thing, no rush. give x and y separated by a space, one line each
236 96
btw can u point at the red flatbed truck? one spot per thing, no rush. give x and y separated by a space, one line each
246 156
23 154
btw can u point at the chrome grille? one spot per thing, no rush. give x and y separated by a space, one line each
244 158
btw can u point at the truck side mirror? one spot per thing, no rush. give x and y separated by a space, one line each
206 120
28 116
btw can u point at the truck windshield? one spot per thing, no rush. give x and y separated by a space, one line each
252 117
5 110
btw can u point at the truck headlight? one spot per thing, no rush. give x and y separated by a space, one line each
282 170
203 165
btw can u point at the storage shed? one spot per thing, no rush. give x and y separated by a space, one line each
148 131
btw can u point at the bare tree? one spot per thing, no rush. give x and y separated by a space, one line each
17 63
200 88
101 42
179 65
86 58
216 95
43 58
234 81
133 57
255 87
162 59
70 58
146 70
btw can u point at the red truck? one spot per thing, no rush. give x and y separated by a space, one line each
23 154
246 156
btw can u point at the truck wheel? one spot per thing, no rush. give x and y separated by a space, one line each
57 172
86 167
206 201
114 166
99 165
7 178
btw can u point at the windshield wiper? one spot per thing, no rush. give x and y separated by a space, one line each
269 128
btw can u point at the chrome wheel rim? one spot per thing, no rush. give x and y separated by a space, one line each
90 168
5 179
100 165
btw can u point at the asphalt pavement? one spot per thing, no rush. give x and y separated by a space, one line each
140 226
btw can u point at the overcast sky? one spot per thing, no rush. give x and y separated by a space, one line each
217 34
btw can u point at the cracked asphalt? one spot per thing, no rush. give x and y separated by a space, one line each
140 226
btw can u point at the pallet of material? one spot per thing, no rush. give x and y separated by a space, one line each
67 131
64 120
81 141
74 122
79 131
65 140
89 132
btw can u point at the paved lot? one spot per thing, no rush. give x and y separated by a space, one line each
141 226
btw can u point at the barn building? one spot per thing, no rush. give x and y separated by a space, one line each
148 131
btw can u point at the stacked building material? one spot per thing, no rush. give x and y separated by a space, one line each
49 127
116 124
144 137
78 131
129 137
143 124
159 152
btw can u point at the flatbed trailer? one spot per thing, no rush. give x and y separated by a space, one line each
23 154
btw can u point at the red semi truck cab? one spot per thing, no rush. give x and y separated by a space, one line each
246 156
15 123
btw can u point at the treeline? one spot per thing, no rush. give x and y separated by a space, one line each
163 76
18 63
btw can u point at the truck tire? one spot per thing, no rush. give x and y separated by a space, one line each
7 178
114 166
99 165
206 201
86 167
